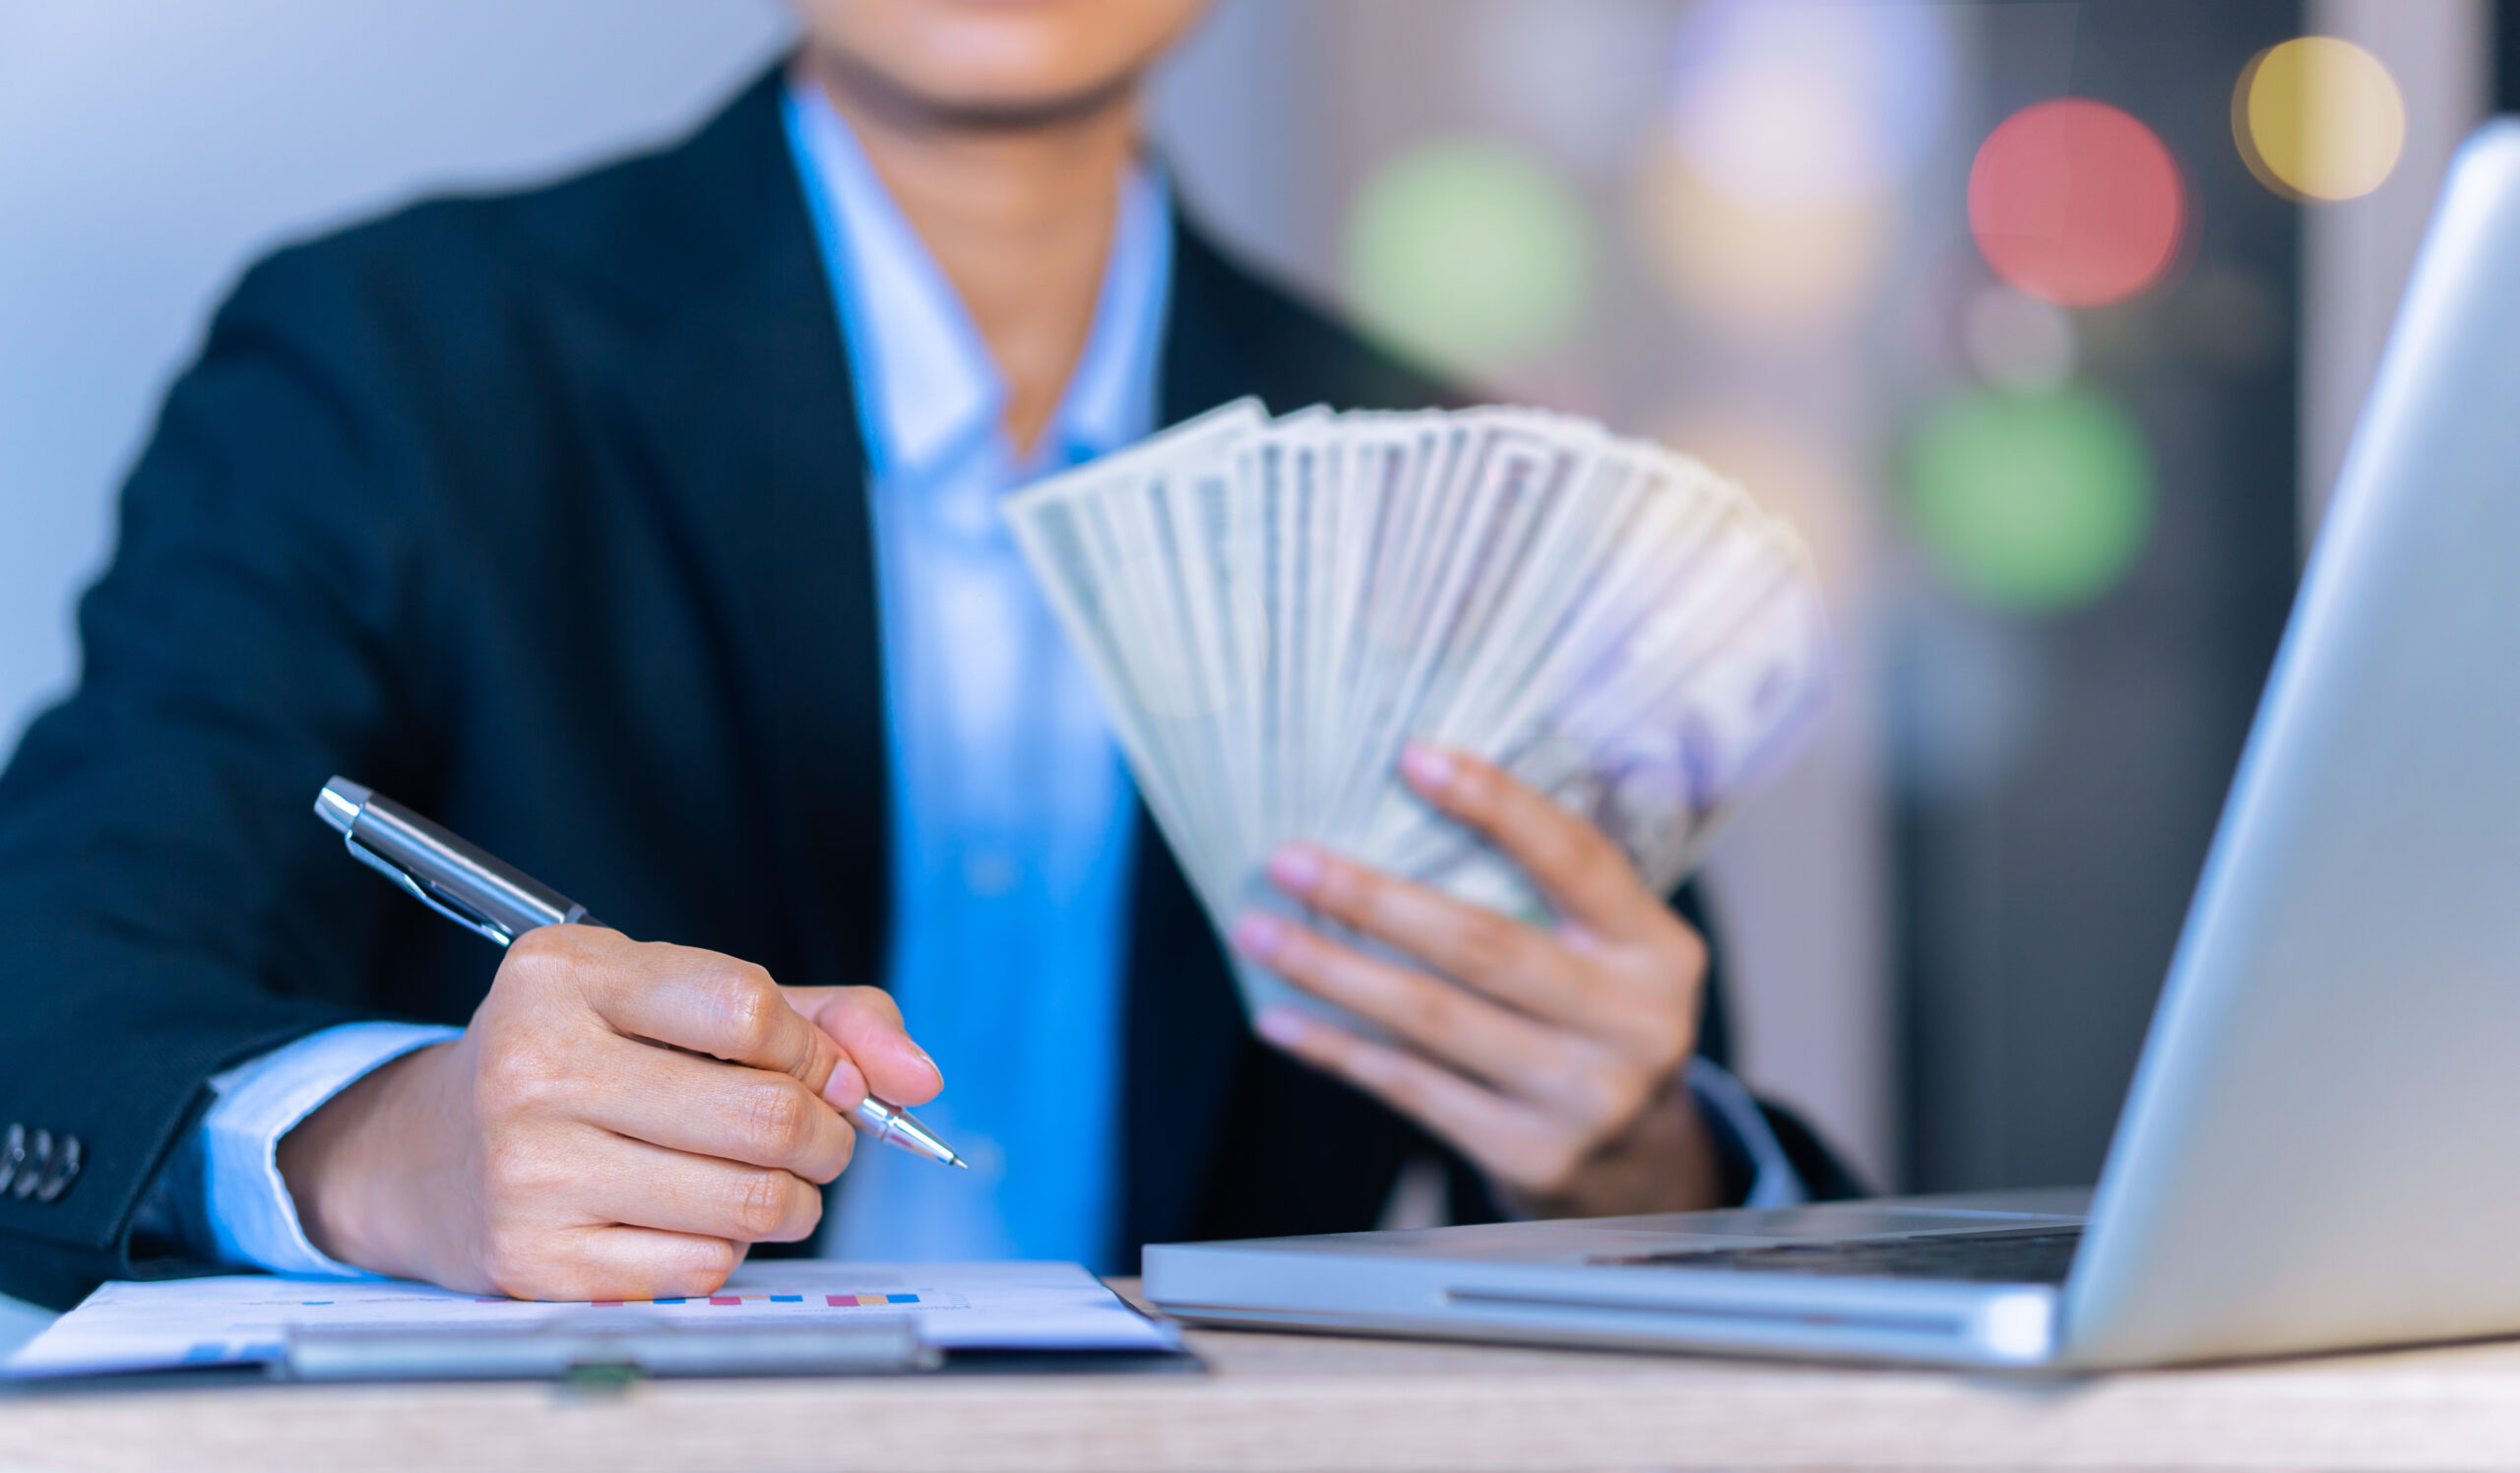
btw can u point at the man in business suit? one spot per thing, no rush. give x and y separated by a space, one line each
637 529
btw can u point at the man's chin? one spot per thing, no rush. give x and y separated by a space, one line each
978 104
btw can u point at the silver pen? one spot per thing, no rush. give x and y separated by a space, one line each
487 897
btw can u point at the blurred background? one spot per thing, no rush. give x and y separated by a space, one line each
2046 321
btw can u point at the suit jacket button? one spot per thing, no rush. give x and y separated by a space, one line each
13 1154
31 1170
68 1155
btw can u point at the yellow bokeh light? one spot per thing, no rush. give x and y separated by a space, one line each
2318 118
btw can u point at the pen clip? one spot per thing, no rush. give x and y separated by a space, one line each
428 895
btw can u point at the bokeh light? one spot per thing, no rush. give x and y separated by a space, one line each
2318 118
2077 203
2033 503
1466 254
2017 341
1756 263
1793 103
1766 202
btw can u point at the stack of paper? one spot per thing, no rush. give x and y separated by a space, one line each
1272 608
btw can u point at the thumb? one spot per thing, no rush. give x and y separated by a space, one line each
876 1054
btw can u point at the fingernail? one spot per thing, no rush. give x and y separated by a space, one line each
930 1062
1295 867
1429 767
1282 1026
1259 934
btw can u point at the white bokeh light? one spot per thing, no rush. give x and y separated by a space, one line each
1805 104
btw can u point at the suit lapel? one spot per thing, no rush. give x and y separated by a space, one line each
742 401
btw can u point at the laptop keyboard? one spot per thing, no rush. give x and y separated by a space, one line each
2018 1256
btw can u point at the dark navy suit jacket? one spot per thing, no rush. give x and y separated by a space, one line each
543 513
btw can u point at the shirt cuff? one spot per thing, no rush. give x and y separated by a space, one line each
251 1218
1728 1107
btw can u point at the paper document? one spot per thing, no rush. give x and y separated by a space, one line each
246 1319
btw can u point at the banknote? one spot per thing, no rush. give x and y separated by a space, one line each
1273 608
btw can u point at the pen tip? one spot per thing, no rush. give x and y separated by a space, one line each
959 1160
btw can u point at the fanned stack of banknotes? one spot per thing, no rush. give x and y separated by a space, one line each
1273 607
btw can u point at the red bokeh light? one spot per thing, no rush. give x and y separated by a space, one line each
2076 201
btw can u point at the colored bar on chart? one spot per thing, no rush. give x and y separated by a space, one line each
725 1299
787 1299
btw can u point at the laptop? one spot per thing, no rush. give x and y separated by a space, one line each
2321 1145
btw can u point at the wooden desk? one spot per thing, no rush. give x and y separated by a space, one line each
1300 1402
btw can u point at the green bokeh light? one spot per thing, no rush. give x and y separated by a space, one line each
1466 255
2031 502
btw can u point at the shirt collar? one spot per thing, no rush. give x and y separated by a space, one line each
927 388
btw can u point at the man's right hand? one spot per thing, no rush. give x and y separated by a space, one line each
556 1152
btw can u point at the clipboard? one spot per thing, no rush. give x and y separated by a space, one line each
604 1350
792 1318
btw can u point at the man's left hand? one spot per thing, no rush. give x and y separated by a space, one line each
1552 1057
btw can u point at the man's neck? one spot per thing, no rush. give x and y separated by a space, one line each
1019 213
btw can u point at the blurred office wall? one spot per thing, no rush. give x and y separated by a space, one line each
2072 696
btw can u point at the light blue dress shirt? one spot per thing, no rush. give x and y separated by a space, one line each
1013 815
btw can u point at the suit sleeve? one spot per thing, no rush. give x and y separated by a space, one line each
169 906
